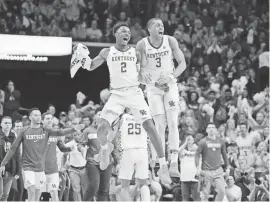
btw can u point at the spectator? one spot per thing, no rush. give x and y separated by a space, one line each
76 169
79 31
29 7
189 183
51 110
73 9
93 33
137 33
261 189
12 100
13 167
233 192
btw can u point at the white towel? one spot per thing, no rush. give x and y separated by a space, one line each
79 59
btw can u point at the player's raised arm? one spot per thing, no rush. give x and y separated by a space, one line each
12 150
98 60
179 56
142 62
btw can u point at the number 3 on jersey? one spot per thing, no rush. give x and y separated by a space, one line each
134 129
123 67
158 62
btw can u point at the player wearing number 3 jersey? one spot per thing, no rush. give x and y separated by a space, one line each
125 93
159 75
132 140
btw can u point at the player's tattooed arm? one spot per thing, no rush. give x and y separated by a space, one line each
144 78
98 60
179 56
14 148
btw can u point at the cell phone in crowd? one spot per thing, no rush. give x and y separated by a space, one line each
258 182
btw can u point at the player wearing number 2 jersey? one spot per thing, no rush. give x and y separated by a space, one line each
125 93
132 139
158 71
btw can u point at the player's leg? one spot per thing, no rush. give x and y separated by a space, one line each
53 185
40 181
156 105
220 184
171 103
141 112
141 174
29 184
125 173
109 114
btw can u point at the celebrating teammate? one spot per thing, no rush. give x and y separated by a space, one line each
133 141
160 76
34 139
51 167
123 62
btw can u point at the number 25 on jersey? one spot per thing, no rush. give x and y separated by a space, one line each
134 129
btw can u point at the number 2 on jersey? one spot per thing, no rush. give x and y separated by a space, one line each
134 128
123 67
158 62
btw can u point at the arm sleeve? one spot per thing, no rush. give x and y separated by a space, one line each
199 153
62 147
224 155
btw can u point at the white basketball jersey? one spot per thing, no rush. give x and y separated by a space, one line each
122 68
133 135
159 60
244 145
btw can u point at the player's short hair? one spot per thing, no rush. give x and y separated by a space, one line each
45 114
118 25
210 123
151 22
33 109
6 117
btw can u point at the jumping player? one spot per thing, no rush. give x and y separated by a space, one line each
34 139
160 76
123 63
133 143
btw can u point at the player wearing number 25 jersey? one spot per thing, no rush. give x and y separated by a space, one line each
133 142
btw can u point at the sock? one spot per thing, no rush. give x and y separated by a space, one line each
174 157
145 194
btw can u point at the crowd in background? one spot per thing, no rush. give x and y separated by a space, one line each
226 46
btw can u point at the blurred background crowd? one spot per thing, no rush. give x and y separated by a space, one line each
226 46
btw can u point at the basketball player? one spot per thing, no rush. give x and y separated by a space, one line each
34 139
133 144
245 143
51 167
123 63
157 71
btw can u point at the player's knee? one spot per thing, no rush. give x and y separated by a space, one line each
145 189
125 184
31 190
148 125
220 190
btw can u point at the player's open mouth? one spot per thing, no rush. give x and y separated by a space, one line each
161 33
125 38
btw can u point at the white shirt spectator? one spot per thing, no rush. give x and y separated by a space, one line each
233 192
188 167
264 59
75 158
93 33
